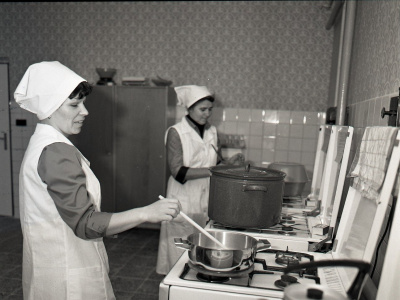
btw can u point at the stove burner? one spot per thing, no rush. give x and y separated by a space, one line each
285 217
285 281
244 269
287 222
286 232
284 258
210 278
287 228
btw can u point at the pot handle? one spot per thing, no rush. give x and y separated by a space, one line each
254 188
182 244
262 245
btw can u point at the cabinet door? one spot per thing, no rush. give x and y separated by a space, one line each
140 152
96 141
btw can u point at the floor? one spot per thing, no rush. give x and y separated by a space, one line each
132 257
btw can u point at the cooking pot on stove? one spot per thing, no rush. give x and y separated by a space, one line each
316 291
208 257
245 196
296 177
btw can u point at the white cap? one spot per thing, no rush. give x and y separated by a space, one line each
45 86
190 94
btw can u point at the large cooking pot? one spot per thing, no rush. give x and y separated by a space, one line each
247 197
240 250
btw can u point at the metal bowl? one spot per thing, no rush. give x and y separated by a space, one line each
106 73
296 177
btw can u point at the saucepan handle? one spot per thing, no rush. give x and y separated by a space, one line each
254 188
182 244
263 244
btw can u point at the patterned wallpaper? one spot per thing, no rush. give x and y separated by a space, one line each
252 54
374 76
375 68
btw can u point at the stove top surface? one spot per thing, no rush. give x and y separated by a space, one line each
265 278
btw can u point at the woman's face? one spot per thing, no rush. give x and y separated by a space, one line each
69 117
201 111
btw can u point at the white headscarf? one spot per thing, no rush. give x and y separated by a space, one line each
190 94
45 86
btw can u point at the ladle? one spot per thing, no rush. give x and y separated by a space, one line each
201 229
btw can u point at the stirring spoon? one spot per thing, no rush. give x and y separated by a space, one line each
201 229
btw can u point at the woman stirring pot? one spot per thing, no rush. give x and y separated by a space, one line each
63 228
191 150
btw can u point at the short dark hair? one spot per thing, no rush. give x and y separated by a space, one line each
82 90
209 98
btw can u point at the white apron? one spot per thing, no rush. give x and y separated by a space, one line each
193 194
56 263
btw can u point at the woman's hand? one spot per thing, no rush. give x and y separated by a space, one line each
165 209
237 159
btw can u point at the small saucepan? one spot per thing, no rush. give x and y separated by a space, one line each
240 248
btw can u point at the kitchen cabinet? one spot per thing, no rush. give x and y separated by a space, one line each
123 138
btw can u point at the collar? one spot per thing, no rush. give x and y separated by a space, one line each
206 126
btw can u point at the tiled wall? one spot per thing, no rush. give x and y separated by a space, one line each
374 75
271 135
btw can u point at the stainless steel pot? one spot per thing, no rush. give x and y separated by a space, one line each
296 177
244 196
240 249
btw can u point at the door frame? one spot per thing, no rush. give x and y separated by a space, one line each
5 61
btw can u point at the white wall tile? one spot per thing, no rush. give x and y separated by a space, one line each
310 131
281 156
284 116
297 117
257 115
244 115
295 144
269 129
307 158
296 131
271 116
230 114
311 118
268 156
230 127
255 155
255 142
309 145
243 128
294 156
256 128
283 130
282 143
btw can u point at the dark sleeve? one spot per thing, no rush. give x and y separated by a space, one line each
219 150
175 156
60 168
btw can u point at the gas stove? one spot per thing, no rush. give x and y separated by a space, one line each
264 280
296 230
357 236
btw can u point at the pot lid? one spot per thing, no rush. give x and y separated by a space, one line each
247 172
